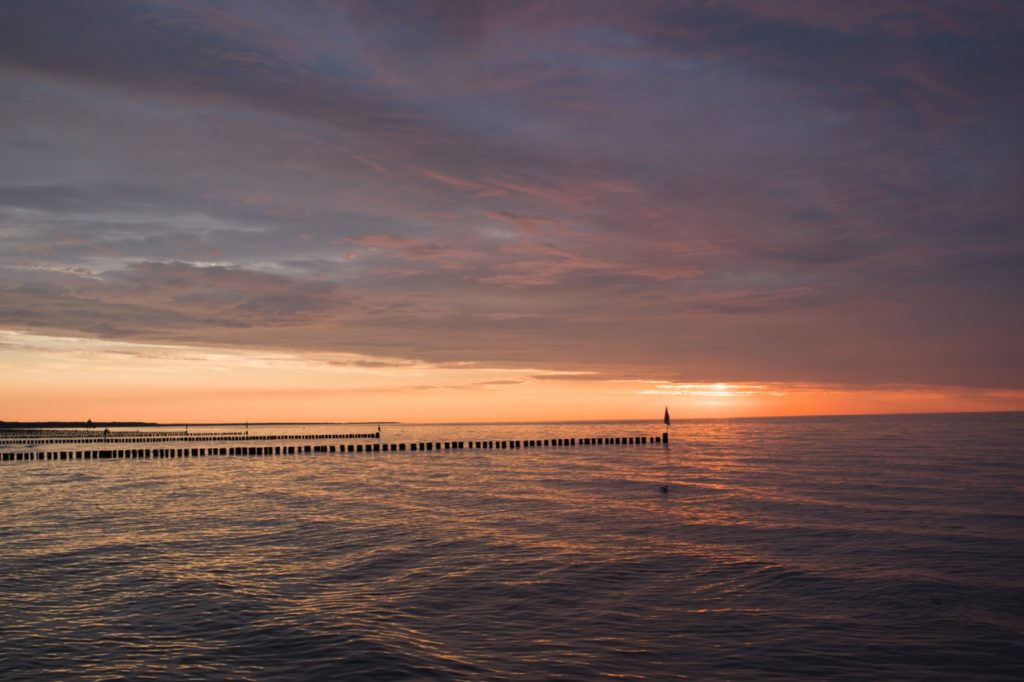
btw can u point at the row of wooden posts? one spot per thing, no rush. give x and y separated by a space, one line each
198 438
253 450
96 432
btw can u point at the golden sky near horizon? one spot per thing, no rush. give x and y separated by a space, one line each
74 379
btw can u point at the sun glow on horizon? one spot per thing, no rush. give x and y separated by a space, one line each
71 378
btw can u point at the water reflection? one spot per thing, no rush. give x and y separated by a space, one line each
523 563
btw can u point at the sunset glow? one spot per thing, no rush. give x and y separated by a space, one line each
76 379
509 211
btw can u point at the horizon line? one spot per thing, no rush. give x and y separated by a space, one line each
518 421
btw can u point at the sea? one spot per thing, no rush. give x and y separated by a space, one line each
838 548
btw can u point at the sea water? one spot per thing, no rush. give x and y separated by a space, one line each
888 547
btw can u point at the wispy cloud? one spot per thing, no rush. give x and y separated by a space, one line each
738 192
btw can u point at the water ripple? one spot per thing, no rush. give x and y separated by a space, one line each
860 548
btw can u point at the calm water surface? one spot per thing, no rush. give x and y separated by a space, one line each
841 548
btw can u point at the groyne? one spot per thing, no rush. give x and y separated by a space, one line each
182 438
250 450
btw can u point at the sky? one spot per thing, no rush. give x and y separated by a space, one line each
504 210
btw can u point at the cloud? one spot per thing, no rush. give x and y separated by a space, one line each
929 61
733 191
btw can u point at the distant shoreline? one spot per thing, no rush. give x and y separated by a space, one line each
93 425
122 424
71 425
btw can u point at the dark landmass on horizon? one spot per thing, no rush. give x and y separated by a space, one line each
92 424
73 425
85 425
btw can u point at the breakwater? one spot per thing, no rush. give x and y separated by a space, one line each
249 450
178 437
